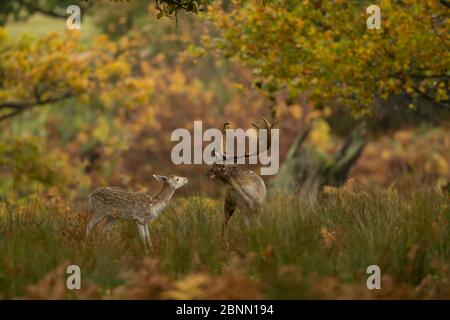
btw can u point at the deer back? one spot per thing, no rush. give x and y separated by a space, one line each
109 199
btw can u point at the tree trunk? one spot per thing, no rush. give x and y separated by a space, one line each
306 170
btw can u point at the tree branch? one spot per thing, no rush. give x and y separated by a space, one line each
19 107
445 3
14 113
442 104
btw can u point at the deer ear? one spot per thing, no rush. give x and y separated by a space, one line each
160 178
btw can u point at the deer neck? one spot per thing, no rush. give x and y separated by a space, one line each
161 200
232 172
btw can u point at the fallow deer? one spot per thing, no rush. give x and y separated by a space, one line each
244 188
112 203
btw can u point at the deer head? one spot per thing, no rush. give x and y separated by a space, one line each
222 170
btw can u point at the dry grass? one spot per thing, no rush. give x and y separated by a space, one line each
293 251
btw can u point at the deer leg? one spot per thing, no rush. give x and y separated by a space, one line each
95 219
228 209
107 227
141 229
147 236
247 218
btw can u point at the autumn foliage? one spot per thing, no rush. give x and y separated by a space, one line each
92 107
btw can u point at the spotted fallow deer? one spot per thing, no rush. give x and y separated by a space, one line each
244 188
112 203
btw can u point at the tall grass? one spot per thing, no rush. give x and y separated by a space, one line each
291 250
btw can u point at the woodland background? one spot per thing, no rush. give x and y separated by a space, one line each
363 116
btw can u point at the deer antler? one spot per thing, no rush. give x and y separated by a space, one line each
268 126
224 129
